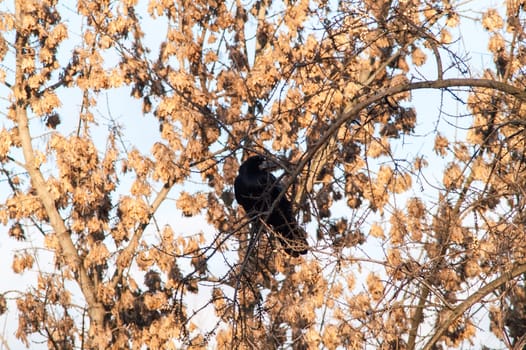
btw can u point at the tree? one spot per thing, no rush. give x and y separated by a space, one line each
410 249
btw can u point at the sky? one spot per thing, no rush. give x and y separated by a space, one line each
142 131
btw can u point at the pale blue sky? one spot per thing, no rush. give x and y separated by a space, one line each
142 131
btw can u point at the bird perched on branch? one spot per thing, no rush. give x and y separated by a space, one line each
257 190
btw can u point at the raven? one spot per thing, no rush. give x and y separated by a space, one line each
256 189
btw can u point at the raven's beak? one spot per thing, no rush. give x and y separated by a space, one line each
268 166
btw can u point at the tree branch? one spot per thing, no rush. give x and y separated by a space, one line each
68 249
474 298
357 105
125 257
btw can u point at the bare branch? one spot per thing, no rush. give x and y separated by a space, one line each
471 300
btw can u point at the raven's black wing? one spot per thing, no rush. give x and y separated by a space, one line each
253 190
256 190
283 221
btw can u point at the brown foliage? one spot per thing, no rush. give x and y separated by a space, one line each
416 224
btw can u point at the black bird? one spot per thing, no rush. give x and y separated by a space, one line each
256 190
